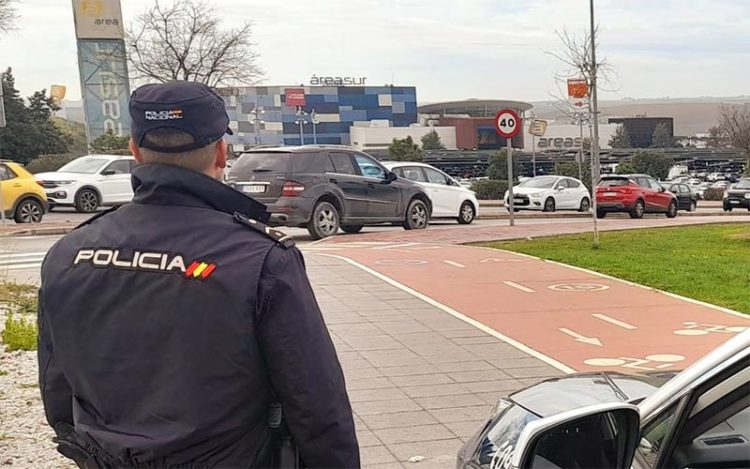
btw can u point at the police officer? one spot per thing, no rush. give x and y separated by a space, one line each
169 326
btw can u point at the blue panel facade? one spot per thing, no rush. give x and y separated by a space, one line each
338 109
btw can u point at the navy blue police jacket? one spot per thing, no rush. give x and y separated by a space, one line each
168 326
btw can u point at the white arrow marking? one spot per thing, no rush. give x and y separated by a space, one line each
455 264
614 321
581 338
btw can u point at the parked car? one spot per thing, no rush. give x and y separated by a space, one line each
325 188
738 196
550 193
89 182
694 182
687 199
713 177
699 418
635 194
449 198
23 198
724 185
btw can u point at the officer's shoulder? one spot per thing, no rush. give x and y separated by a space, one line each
97 216
276 236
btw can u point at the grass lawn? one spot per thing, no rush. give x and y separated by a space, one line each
710 263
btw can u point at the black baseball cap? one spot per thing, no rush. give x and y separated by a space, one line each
181 105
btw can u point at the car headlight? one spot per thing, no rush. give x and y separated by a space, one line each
747 195
537 194
63 183
726 194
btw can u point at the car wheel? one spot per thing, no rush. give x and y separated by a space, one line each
29 211
324 222
417 215
585 205
87 201
693 206
601 214
467 213
672 210
351 229
549 205
638 210
727 209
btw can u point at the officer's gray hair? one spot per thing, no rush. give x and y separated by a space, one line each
197 160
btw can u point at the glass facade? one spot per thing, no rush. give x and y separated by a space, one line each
337 107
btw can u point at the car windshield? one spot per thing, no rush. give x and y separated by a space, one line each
539 183
614 182
272 162
743 184
84 165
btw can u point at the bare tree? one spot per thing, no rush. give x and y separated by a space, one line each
715 137
575 55
185 41
735 124
8 16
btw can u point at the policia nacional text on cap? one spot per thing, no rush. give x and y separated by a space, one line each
169 327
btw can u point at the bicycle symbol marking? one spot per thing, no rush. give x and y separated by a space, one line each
655 362
578 287
696 329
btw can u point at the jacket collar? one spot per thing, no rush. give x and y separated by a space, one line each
161 184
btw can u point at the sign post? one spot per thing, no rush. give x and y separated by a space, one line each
537 129
2 125
507 125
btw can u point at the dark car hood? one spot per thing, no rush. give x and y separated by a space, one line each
579 390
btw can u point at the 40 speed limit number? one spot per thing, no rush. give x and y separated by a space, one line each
507 123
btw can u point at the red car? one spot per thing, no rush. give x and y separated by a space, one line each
635 194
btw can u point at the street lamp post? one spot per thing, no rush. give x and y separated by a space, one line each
595 170
580 118
255 118
315 122
301 121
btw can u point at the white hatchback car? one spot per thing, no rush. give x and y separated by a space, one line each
89 182
550 193
449 198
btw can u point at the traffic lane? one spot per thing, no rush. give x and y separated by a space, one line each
582 320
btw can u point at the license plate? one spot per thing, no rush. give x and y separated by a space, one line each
735 202
254 188
610 194
518 200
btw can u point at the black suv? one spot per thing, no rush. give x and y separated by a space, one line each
327 187
738 195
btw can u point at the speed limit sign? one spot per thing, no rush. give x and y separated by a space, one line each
507 123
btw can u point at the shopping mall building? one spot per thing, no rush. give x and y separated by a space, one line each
291 115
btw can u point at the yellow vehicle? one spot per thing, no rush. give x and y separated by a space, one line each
23 198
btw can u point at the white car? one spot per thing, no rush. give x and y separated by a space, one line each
89 182
449 198
550 193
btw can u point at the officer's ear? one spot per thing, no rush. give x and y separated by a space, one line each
221 154
135 151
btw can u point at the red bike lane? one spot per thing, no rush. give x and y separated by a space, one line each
580 320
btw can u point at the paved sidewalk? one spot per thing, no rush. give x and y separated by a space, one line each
421 381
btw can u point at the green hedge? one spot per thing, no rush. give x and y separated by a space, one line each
47 163
490 189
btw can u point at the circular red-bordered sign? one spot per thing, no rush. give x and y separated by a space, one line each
507 123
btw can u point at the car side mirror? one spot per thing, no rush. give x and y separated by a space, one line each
661 189
559 188
108 172
390 177
603 435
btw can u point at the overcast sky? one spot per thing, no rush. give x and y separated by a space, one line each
448 49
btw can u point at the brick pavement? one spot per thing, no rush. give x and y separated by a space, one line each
420 381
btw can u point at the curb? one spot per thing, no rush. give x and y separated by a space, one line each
536 216
37 232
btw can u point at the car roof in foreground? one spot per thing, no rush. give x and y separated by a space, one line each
300 149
